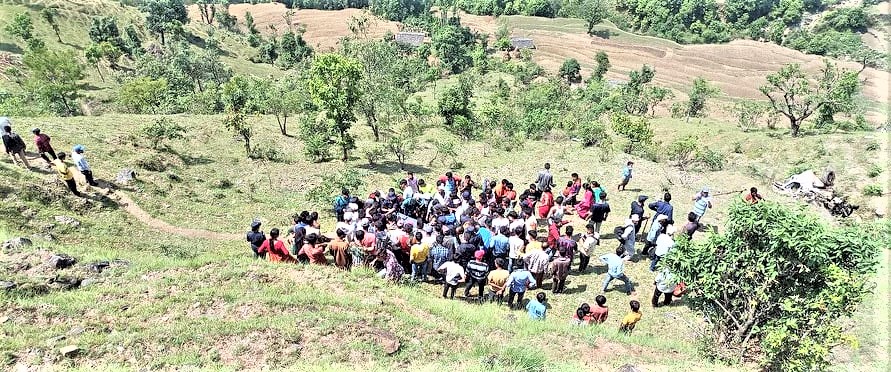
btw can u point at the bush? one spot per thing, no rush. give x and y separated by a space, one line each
374 153
592 133
162 130
446 153
333 182
873 190
636 130
272 154
711 159
683 151
144 96
152 162
874 171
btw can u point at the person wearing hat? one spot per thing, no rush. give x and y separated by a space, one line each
14 145
255 238
701 202
477 274
81 162
664 245
44 148
65 173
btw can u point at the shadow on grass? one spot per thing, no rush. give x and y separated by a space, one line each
603 34
576 289
188 160
11 48
390 167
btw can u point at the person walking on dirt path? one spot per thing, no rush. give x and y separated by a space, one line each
44 148
626 175
545 179
81 162
255 238
65 173
753 197
14 146
663 206
701 203
615 269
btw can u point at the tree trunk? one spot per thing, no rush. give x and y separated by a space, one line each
346 155
162 38
100 73
376 130
796 127
282 124
247 145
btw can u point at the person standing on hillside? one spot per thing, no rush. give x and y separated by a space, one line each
81 162
665 284
65 173
518 282
599 213
637 207
663 206
477 274
588 243
14 146
626 175
615 269
452 273
255 238
701 203
340 250
497 280
44 148
545 179
583 208
560 271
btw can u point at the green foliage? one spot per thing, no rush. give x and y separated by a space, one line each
633 98
571 71
455 101
105 29
334 83
699 95
592 133
872 146
316 136
52 80
286 97
249 24
790 278
403 140
453 44
749 113
292 50
332 183
49 14
602 66
162 130
873 190
874 171
636 130
446 153
854 19
165 17
833 43
374 153
711 159
21 26
592 12
683 150
792 94
399 10
143 96
325 4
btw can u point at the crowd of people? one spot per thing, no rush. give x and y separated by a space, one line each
15 147
495 243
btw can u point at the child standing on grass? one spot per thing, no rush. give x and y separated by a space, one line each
630 320
626 175
65 173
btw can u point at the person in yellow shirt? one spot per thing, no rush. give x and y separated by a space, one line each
65 173
534 244
630 320
418 256
497 281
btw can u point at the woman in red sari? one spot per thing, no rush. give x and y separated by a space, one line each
583 208
545 203
275 249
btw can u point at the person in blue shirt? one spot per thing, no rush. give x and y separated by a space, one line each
501 244
536 307
626 175
486 236
518 282
663 206
615 269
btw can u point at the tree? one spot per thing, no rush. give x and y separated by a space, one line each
53 79
637 130
455 101
571 71
96 52
164 17
163 130
593 11
792 94
632 93
773 284
403 140
132 43
23 27
656 95
699 95
399 10
334 86
143 95
602 67
49 15
239 98
105 29
207 10
453 45
285 99
249 23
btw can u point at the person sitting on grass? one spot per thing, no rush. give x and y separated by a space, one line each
452 273
498 281
255 238
599 312
340 250
536 307
518 282
582 315
393 271
314 250
274 249
630 320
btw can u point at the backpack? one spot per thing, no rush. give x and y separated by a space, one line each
382 242
618 231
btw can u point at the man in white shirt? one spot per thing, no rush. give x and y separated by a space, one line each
664 245
77 156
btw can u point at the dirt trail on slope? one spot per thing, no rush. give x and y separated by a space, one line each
140 214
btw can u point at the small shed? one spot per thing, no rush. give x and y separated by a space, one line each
521 43
414 39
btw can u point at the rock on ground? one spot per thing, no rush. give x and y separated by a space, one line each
70 351
388 342
16 243
60 261
67 220
628 368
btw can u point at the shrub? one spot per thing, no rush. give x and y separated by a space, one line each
446 153
636 130
682 151
143 96
373 153
874 171
152 162
873 190
872 146
592 133
162 130
711 159
333 182
273 154
316 139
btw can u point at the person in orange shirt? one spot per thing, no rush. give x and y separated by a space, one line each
314 250
753 197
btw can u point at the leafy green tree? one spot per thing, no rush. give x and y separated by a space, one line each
637 131
699 95
161 131
334 86
403 140
748 113
794 95
249 23
632 93
539 8
239 96
455 101
23 27
453 45
53 79
132 43
774 284
165 17
143 95
593 11
399 10
287 97
653 96
602 61
292 49
789 11
105 29
49 15
502 37
207 9
571 71
96 52
852 19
